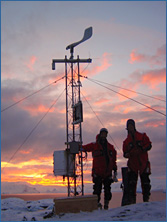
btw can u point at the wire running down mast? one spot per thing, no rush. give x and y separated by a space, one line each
74 118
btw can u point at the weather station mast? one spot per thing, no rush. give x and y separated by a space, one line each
69 163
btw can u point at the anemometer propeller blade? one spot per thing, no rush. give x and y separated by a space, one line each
87 35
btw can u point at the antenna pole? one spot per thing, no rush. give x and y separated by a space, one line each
72 99
80 127
73 126
68 179
74 117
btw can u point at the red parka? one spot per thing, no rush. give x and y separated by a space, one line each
100 167
137 150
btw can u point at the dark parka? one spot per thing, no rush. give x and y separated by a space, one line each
137 148
100 166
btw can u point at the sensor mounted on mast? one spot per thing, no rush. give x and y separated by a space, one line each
87 35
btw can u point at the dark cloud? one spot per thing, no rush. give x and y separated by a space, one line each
17 122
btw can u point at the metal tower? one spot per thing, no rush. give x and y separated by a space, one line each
74 118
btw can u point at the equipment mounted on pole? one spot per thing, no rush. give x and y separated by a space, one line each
74 118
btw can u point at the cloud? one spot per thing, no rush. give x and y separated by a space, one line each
123 108
31 62
131 84
159 108
41 161
40 172
96 69
101 101
50 135
156 60
155 123
147 79
153 78
124 94
36 109
134 56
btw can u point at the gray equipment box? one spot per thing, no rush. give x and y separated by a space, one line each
60 163
74 147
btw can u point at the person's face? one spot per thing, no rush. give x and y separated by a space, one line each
103 135
131 128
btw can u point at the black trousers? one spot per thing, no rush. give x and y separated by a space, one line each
100 183
132 184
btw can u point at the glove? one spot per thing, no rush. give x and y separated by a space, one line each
82 149
126 155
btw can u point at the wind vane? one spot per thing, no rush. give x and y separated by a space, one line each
87 35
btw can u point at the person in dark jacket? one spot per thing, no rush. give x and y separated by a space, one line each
104 163
135 148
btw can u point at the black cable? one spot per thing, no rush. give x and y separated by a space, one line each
131 91
153 97
126 96
85 67
99 120
34 129
31 95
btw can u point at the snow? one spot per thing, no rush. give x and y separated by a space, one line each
15 209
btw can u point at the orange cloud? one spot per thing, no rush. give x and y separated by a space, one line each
31 62
56 77
128 110
34 175
34 110
158 59
43 175
154 78
159 108
124 94
136 57
24 152
118 107
122 108
101 101
105 64
155 124
62 111
131 84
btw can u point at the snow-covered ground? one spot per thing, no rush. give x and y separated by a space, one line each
15 209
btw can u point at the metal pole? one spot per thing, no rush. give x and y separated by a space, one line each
80 126
68 179
73 127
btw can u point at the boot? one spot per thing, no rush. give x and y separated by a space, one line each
146 198
106 202
99 205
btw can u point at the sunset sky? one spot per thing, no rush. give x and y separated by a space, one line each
128 49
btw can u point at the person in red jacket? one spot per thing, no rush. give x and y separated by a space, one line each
104 163
135 148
